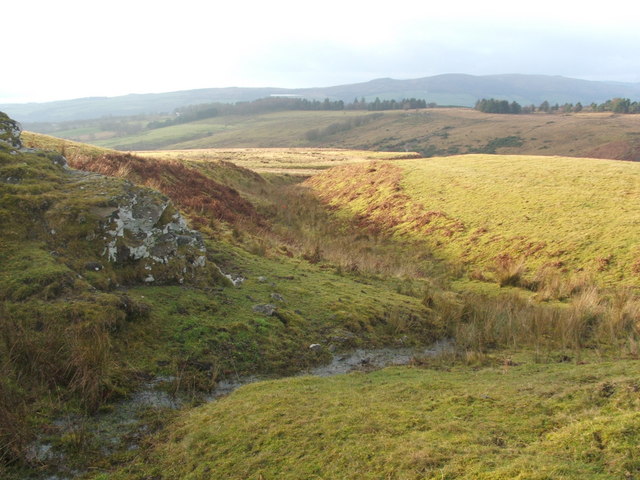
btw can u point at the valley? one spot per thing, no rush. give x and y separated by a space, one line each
186 267
430 132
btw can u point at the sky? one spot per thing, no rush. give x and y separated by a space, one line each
63 49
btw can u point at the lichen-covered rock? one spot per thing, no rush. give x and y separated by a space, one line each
145 225
265 309
10 131
142 231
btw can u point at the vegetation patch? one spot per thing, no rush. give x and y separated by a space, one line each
361 256
547 214
564 421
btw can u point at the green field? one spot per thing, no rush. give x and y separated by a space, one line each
515 420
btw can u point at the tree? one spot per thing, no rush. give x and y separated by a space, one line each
620 105
544 107
497 106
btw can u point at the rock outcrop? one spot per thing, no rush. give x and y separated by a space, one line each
10 131
124 232
145 227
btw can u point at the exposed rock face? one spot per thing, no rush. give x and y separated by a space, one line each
144 230
146 226
10 131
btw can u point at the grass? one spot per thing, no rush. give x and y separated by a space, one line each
533 215
432 132
224 329
73 339
67 148
511 419
534 390
294 161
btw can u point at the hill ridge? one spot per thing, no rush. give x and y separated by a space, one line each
444 89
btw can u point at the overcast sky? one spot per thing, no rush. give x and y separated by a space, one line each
77 48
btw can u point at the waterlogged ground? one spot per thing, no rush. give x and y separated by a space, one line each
124 425
557 417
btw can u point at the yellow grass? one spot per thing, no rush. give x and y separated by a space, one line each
296 161
568 215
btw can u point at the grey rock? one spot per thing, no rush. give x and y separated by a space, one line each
10 131
265 309
93 266
184 239
140 228
277 297
236 280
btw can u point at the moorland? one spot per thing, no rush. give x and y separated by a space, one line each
136 285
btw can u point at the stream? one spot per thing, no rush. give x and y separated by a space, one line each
122 425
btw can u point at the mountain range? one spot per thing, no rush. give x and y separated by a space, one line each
447 89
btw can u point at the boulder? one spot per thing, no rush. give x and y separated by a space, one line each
265 309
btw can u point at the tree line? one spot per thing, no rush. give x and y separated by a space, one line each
279 104
615 105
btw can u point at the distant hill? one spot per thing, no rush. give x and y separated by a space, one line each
431 132
448 89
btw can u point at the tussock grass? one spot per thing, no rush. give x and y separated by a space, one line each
592 320
508 217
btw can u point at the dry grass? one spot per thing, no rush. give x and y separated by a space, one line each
441 131
537 214
187 187
294 161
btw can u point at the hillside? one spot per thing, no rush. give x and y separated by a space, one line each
563 422
135 292
535 217
431 132
448 89
104 287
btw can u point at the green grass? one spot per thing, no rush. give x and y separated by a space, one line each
67 148
223 328
74 339
361 275
516 420
570 216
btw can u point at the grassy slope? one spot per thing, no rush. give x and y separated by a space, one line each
432 132
194 333
549 212
67 148
377 425
528 421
